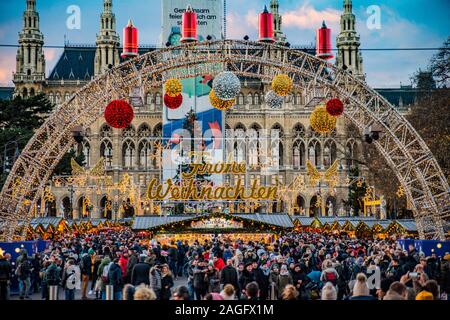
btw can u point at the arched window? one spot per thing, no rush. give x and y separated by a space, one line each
66 97
250 98
129 132
145 154
157 131
239 151
25 92
351 153
314 152
105 131
329 153
298 154
256 99
144 131
106 151
158 100
128 154
241 100
58 98
51 98
148 99
32 92
86 149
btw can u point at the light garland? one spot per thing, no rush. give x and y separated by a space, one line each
220 104
282 85
321 121
173 87
226 86
273 100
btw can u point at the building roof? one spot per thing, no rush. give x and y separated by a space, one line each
281 220
399 97
77 62
6 93
149 222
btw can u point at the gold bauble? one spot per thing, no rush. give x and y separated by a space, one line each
220 104
173 87
282 85
321 121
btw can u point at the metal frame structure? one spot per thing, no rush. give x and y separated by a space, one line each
405 151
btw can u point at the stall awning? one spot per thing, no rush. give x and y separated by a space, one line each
150 222
281 220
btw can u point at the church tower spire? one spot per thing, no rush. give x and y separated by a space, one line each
277 21
348 43
108 42
30 61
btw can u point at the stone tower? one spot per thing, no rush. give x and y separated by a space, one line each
277 21
30 62
348 43
108 42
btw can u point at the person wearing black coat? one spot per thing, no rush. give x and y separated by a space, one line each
246 277
166 283
5 278
262 280
140 273
229 275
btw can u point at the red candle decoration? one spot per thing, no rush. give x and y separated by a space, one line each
324 48
173 102
189 26
119 114
130 41
335 107
266 26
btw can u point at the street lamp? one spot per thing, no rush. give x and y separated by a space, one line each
371 133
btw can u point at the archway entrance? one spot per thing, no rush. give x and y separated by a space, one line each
106 208
314 207
66 205
300 210
422 179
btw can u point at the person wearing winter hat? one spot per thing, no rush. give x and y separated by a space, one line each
384 287
424 295
228 292
360 289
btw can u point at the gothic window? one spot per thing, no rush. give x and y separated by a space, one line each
241 99
29 54
329 153
128 154
32 92
314 152
25 92
157 132
51 98
58 98
158 99
250 98
299 130
106 151
256 99
129 132
105 131
66 97
144 131
86 149
352 153
145 154
239 151
298 154
149 99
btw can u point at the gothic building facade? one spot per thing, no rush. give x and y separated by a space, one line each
131 150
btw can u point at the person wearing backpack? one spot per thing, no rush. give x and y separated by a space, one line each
52 276
71 279
23 273
115 279
86 272
329 273
102 274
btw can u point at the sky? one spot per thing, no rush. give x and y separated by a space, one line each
403 24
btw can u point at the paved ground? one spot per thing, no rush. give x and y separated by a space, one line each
37 296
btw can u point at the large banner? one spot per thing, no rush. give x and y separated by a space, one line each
208 126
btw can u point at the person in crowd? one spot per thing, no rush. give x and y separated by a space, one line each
445 275
273 280
284 279
251 292
397 291
384 287
155 280
424 295
86 271
199 283
166 282
289 293
103 275
218 263
141 272
131 260
5 277
23 273
181 293
247 276
228 292
115 278
95 266
262 279
432 287
361 289
128 292
35 269
229 275
328 292
172 256
71 279
144 293
212 278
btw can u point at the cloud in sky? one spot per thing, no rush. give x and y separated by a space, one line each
308 17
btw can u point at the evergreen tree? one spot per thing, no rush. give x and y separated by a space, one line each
356 193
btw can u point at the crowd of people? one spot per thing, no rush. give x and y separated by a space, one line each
122 265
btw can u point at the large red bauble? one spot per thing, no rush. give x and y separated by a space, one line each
119 114
335 107
173 102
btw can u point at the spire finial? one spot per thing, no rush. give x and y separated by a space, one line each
130 23
265 9
189 8
323 24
